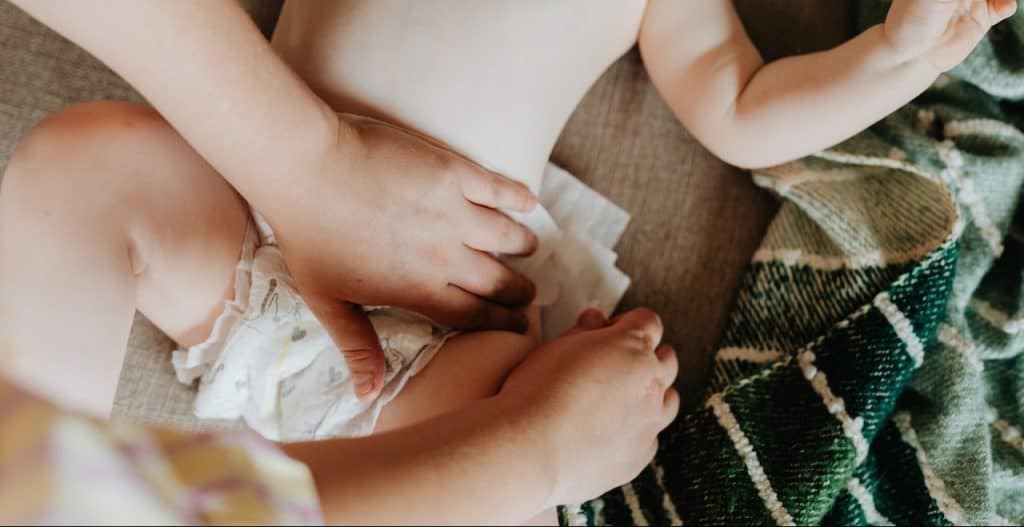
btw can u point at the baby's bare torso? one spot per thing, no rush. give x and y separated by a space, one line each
495 79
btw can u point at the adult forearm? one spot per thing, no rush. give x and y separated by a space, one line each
484 463
206 67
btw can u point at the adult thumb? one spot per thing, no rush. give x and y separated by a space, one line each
351 330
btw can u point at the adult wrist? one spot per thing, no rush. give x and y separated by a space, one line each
540 430
296 171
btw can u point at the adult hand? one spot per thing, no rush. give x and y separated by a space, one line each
603 391
388 218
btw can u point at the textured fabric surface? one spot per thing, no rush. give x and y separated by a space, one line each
871 370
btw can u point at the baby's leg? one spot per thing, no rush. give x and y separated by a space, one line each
105 208
469 367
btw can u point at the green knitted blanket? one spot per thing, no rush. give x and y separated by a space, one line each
872 372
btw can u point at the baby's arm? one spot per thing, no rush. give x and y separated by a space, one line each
753 114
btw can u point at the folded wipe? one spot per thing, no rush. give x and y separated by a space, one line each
574 265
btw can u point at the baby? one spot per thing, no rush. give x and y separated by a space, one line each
493 81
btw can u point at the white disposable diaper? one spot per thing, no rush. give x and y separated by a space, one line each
270 362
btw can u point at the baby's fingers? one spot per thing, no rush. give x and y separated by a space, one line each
967 31
1003 9
972 26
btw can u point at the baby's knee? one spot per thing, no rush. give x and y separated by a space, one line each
76 142
72 155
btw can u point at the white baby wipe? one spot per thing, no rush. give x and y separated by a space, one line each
271 363
574 264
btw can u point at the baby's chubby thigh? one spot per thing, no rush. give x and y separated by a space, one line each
469 367
105 208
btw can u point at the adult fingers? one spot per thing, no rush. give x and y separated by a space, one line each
351 330
485 276
652 450
670 407
489 189
669 364
591 319
458 308
492 231
642 322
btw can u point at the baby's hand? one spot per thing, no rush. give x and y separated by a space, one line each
942 32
